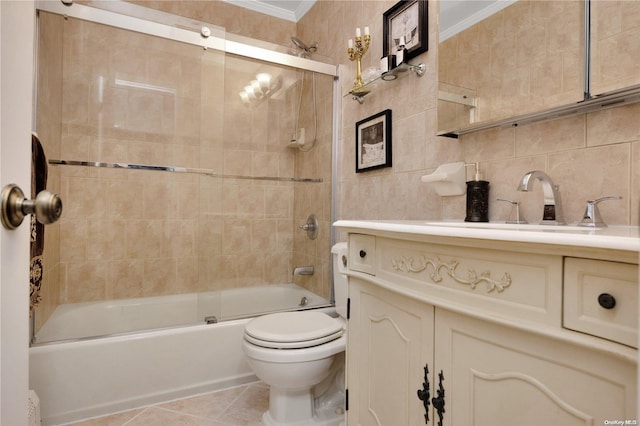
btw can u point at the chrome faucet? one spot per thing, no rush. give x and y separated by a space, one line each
591 216
552 214
303 270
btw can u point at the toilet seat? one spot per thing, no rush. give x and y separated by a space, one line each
293 330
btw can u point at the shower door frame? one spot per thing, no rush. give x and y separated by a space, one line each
190 36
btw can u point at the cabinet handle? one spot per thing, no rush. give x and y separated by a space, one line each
363 253
423 394
607 301
438 402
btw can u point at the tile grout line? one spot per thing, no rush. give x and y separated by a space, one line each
223 412
217 416
137 415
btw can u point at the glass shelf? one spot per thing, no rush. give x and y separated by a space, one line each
360 93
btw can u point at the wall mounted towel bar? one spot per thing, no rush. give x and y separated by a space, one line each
193 170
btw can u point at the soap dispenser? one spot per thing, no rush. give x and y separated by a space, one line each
477 198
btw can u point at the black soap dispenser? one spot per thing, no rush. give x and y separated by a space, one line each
477 198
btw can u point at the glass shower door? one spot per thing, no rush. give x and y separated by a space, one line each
126 121
275 171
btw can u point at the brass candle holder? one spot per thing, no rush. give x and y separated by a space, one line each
356 53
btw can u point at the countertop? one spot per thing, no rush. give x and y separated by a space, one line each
612 237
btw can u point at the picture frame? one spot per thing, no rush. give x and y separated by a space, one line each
373 142
407 18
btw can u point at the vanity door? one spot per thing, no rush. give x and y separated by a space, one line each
496 375
390 340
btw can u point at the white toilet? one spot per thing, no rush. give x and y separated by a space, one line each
300 355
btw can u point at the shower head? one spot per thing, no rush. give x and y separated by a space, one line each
305 51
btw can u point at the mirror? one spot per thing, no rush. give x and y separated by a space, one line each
615 45
501 59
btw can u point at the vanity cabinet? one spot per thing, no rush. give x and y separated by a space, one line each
498 375
479 326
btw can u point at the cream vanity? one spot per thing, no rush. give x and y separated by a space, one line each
487 325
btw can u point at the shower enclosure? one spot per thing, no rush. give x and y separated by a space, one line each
170 143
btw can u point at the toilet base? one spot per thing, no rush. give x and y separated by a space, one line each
321 406
299 408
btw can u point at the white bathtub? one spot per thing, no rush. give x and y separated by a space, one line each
87 378
105 318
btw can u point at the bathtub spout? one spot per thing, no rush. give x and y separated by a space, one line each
304 270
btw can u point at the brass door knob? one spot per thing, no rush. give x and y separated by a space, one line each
47 207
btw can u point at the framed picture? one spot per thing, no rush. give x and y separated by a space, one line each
373 142
406 21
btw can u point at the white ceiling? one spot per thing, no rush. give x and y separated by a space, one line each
291 10
455 15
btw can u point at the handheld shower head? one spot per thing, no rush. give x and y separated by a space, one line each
305 51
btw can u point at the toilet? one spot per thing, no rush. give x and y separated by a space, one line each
300 355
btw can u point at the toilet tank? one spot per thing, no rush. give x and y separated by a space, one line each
339 253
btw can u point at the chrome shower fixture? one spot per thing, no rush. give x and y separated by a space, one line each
305 51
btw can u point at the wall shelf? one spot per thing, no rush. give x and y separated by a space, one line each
628 95
360 93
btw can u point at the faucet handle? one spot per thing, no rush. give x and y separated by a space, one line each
516 204
591 216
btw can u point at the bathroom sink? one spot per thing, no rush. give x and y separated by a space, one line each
510 226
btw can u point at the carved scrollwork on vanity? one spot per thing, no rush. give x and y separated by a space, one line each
411 265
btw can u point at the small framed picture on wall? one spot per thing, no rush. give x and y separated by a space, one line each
406 24
373 142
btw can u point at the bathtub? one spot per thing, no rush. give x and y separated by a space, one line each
88 377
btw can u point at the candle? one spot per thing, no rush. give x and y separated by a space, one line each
401 41
350 44
366 30
358 32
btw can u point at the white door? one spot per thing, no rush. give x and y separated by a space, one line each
16 70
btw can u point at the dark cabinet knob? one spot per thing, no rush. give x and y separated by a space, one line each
363 253
607 301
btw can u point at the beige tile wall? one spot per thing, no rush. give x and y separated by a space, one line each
131 234
315 198
589 156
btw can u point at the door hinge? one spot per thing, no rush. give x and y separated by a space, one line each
346 400
349 308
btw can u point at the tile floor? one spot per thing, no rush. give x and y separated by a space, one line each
238 406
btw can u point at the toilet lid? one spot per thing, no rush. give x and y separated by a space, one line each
288 330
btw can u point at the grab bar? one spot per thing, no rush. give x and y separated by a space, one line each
148 167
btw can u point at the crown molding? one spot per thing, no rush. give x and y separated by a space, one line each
469 21
272 9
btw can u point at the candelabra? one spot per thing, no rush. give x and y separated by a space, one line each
356 52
